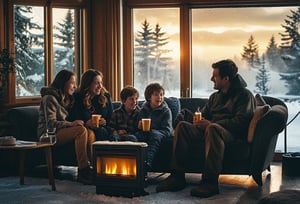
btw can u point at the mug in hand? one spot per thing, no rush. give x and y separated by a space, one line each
96 118
146 123
198 116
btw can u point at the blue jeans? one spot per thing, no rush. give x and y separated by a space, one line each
102 134
153 139
127 137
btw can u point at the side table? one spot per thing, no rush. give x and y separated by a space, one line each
22 147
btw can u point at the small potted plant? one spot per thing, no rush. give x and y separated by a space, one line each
6 66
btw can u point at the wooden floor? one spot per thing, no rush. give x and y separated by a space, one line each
272 182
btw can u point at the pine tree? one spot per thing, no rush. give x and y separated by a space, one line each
29 52
262 79
150 62
144 49
250 54
291 52
273 56
64 39
160 66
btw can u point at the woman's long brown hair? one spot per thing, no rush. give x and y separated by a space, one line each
60 81
86 80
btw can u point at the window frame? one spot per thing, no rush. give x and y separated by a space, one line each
185 29
81 49
185 32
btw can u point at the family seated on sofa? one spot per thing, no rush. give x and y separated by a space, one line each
73 119
243 128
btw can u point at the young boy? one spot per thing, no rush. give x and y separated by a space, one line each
158 111
124 119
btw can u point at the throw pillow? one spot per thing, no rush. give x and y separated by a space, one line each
174 105
259 100
259 112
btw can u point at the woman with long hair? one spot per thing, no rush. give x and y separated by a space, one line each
93 98
56 99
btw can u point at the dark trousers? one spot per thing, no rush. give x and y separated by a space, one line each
191 142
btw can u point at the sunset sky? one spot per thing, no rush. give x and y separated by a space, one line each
225 29
217 34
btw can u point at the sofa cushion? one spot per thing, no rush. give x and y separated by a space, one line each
192 103
174 105
23 122
258 114
116 104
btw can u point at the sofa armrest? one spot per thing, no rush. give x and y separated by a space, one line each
265 138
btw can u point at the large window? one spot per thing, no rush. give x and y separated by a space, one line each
47 39
156 49
64 39
264 41
29 49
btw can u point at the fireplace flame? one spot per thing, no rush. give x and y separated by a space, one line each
118 166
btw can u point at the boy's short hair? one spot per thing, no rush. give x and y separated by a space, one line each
151 88
127 92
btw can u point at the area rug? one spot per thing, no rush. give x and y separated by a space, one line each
287 196
37 190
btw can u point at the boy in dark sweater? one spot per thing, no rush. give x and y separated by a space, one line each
158 111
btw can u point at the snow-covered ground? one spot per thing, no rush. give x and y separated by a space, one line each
293 141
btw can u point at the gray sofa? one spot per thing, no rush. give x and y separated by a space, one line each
240 158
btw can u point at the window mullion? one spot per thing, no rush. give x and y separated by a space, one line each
185 52
48 45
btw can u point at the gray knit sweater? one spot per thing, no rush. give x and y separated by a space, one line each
52 111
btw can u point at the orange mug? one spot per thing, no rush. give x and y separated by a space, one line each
198 116
96 119
146 124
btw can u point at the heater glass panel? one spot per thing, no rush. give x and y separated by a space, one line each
120 166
